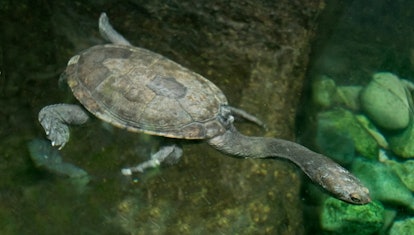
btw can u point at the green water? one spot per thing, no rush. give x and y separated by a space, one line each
206 192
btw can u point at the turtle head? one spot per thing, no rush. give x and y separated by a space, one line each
358 195
344 186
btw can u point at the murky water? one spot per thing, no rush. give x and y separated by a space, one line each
206 192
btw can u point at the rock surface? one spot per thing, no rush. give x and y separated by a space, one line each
340 218
46 157
405 170
402 142
384 185
343 122
323 91
402 227
384 100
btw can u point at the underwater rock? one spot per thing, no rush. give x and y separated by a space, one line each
372 130
389 217
345 124
323 91
384 100
348 96
384 185
402 227
337 145
404 170
402 143
46 157
325 94
338 217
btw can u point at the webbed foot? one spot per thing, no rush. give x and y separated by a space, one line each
54 120
56 131
170 153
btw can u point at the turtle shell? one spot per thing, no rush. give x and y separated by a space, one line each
142 91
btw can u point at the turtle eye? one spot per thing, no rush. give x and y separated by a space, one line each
355 197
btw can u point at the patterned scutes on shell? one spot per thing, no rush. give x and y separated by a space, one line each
142 91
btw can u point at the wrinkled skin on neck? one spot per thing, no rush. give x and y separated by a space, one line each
320 169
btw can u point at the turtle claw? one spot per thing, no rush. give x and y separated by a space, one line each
57 131
58 134
168 153
126 171
60 146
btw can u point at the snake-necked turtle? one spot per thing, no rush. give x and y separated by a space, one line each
141 91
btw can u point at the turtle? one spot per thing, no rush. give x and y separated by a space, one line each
142 91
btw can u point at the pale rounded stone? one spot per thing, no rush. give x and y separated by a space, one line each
384 100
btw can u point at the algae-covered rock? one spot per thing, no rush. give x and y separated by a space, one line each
348 96
342 218
372 130
385 101
46 157
384 185
402 227
323 91
344 122
326 94
402 143
389 217
404 170
336 144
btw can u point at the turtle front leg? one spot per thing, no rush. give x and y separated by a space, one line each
168 153
55 119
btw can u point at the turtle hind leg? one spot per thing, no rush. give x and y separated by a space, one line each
109 33
247 116
168 153
55 119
